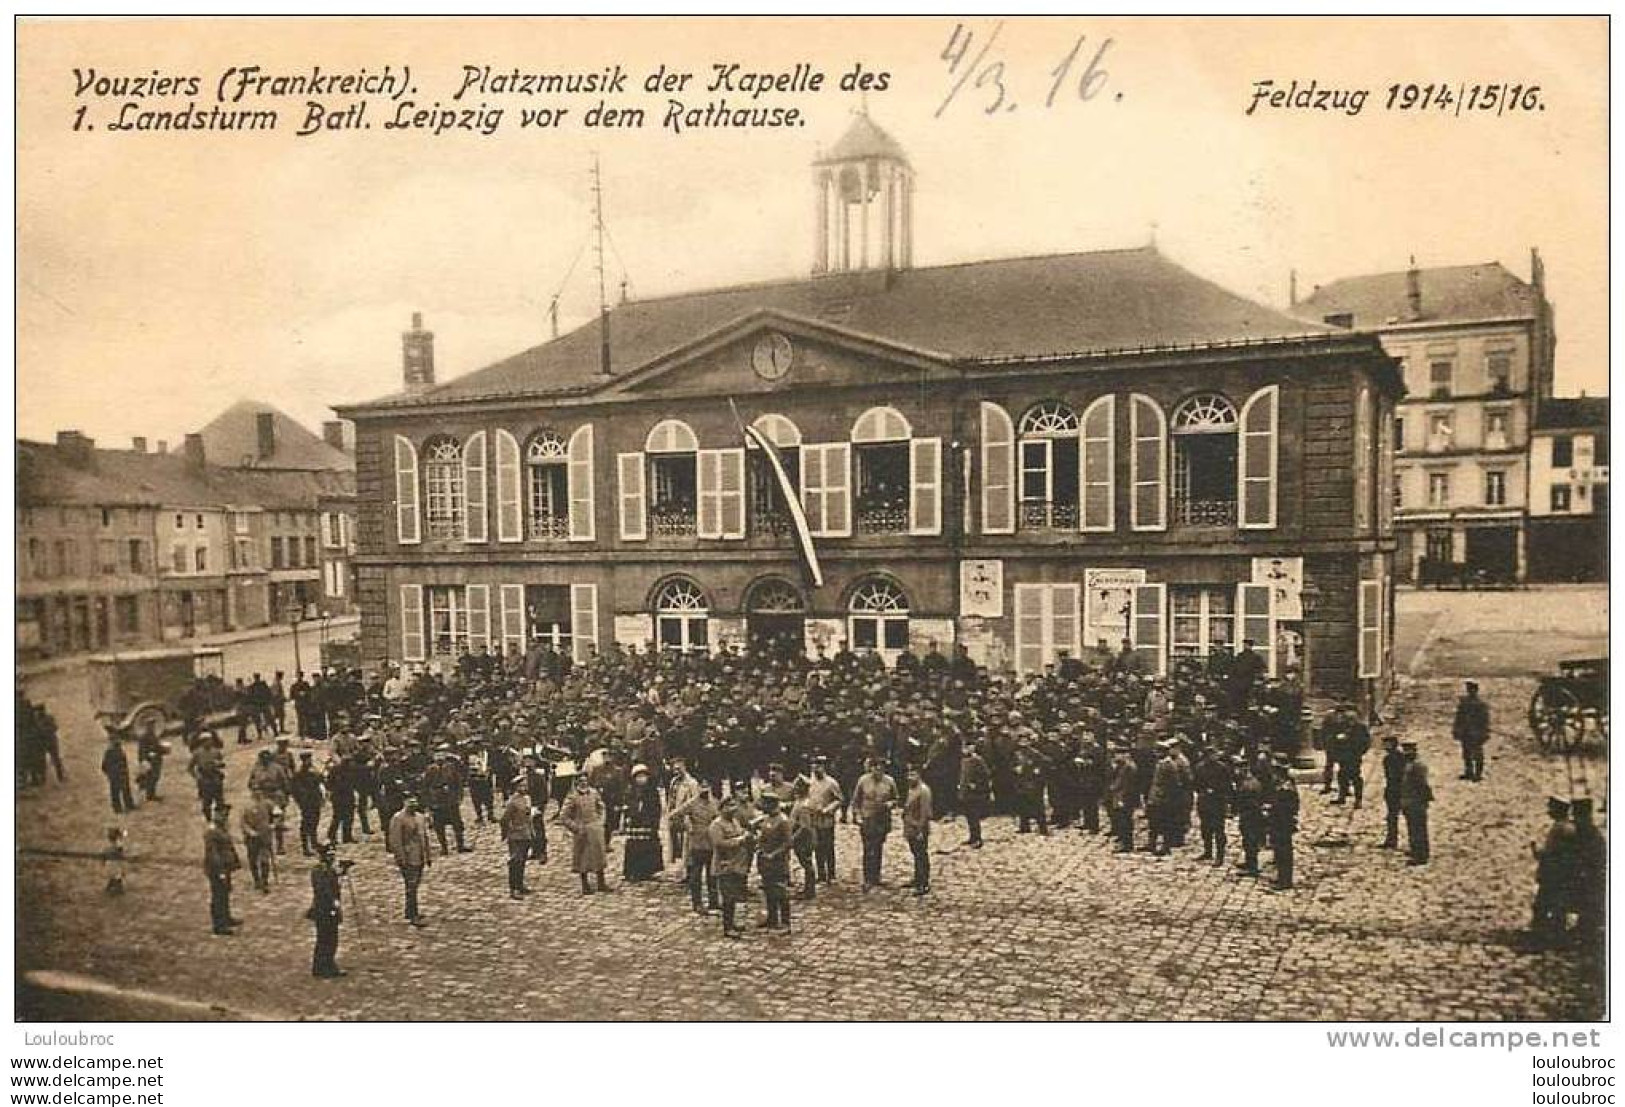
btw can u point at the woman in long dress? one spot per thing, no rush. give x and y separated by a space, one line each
643 859
583 816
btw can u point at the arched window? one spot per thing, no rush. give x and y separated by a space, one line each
770 513
1204 431
775 618
547 476
445 501
880 448
877 618
1048 441
774 596
673 449
681 616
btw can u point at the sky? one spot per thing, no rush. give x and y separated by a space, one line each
163 276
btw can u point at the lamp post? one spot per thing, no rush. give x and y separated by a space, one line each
293 621
1309 597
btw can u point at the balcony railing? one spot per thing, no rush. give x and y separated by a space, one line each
1041 516
549 526
772 524
1205 513
883 519
672 522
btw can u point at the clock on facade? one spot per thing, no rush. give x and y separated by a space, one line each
772 356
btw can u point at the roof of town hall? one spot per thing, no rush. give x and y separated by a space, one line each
1025 308
1450 294
1572 413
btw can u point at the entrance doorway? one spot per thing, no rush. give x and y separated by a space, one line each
1493 552
775 618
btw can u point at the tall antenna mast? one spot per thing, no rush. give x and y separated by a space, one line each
603 303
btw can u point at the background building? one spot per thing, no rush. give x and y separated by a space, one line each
1476 346
1028 457
123 548
1568 490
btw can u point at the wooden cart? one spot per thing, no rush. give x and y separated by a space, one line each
133 691
1568 706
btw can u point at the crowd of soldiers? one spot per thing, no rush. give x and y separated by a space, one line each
756 755
740 760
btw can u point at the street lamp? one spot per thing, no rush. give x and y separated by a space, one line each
293 621
1309 596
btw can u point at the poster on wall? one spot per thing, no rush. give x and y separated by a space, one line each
981 588
634 630
824 636
1108 603
1285 576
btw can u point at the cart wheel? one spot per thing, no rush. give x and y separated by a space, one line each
1545 715
1568 718
149 715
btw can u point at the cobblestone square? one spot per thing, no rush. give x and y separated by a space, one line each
1030 927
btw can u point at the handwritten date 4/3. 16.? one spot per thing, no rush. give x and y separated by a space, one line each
973 61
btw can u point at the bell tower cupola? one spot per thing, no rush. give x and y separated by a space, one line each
865 191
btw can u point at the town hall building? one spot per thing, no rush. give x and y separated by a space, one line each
1032 458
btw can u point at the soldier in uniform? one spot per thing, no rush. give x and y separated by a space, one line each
804 838
773 861
443 787
1090 774
696 814
1283 816
1123 798
975 793
208 768
1213 787
341 795
1393 777
917 829
1471 728
1251 819
256 823
1027 774
826 798
583 815
220 860
1554 875
516 833
1415 793
326 914
1347 741
1589 890
306 791
873 797
730 847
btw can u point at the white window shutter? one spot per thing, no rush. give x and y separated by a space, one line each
1148 465
998 470
1370 623
731 496
583 524
479 617
510 527
1256 475
1097 466
1255 619
629 469
474 488
583 621
407 532
925 486
1149 627
838 488
708 521
1031 616
411 622
512 599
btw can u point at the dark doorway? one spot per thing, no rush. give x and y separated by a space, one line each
1492 552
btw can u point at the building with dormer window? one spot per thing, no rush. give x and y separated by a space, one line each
1030 457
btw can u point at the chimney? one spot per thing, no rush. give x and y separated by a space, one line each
265 434
417 356
139 444
77 450
163 446
333 433
1537 270
1413 290
1292 288
194 452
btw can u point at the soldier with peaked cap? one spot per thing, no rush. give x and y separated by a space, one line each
1589 888
583 815
517 832
1283 818
1471 728
731 846
1555 868
1393 779
326 913
773 861
975 792
1415 794
220 860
